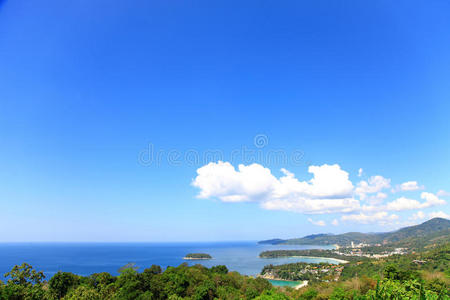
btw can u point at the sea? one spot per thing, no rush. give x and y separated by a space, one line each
88 258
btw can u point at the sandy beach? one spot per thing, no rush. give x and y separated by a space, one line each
303 284
341 261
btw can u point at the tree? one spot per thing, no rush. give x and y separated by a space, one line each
221 269
83 292
61 282
24 283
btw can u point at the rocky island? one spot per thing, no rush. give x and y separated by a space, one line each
197 256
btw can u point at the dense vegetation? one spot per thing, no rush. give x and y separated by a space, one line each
303 271
433 232
310 252
180 282
197 256
419 275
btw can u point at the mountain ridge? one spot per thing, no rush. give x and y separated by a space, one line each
435 229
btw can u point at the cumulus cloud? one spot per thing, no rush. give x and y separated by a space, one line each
335 222
317 223
431 199
360 172
221 180
373 185
403 203
382 218
408 186
376 199
329 190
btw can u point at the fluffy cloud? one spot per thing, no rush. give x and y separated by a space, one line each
373 185
328 191
410 186
403 203
221 180
376 199
317 223
431 199
381 218
360 172
335 222
407 186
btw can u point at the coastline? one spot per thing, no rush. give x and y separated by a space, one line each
303 284
340 261
298 286
193 258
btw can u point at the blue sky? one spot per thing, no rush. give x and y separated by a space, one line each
89 88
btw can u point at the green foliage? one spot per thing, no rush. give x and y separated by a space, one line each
272 295
61 282
303 271
221 269
24 283
83 292
310 252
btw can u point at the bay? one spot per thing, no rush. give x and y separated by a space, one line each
88 258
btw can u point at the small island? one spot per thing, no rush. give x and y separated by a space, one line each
196 256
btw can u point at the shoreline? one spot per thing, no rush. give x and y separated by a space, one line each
193 258
340 261
301 284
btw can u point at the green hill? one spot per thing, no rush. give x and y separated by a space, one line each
434 231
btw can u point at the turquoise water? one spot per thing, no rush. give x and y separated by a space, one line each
87 258
284 283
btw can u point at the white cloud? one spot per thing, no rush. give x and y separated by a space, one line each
431 199
221 180
328 191
373 185
438 214
318 222
335 222
360 172
407 186
418 216
403 203
382 218
376 199
410 186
